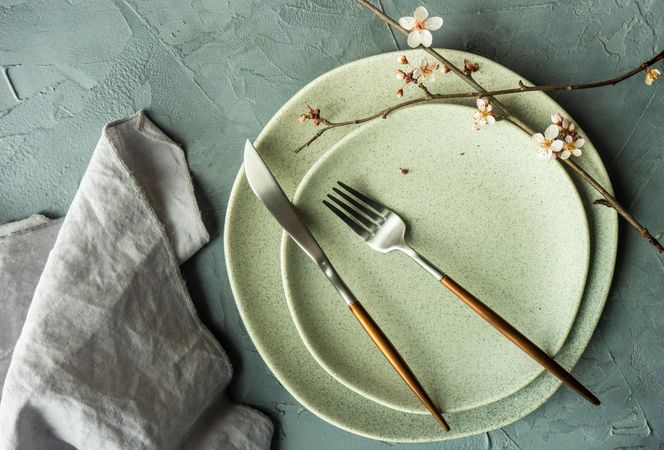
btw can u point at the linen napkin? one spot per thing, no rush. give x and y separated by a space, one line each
100 345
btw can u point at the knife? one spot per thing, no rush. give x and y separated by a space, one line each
269 192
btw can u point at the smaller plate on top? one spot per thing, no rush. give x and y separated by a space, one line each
481 207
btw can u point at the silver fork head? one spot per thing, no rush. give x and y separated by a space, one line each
378 225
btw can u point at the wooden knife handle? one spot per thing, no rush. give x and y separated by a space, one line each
521 341
395 359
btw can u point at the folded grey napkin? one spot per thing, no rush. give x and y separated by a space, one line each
100 345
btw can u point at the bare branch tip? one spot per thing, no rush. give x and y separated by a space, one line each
603 202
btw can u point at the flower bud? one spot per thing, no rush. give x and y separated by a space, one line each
401 74
445 69
316 122
400 93
302 118
402 59
469 67
556 118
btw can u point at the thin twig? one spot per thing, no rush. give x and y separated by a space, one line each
427 94
522 88
480 93
611 202
382 114
508 116
601 201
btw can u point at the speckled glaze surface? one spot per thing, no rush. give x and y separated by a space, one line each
253 238
481 217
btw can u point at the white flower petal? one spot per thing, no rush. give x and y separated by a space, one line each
565 154
556 145
579 143
489 108
407 22
427 38
481 104
648 80
577 152
543 155
537 138
433 23
414 39
568 139
417 72
491 120
421 14
551 132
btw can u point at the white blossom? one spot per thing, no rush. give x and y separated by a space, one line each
420 26
652 75
572 147
483 115
546 145
426 71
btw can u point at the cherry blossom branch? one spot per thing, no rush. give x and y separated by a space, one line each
380 114
480 93
610 200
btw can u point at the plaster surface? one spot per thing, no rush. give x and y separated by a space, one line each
211 73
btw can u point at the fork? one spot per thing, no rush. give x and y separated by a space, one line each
384 231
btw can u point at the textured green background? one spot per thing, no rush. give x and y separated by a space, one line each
211 73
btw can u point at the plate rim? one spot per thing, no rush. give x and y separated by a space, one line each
592 316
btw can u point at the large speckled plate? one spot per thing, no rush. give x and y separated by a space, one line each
253 240
482 217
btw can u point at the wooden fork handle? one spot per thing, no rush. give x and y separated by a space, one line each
521 341
395 359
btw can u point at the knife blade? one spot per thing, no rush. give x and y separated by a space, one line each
267 189
269 192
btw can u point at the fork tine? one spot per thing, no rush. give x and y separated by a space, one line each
364 234
371 203
368 212
369 225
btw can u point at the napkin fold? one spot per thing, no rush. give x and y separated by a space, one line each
100 345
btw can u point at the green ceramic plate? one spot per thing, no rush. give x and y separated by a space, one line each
253 239
486 219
